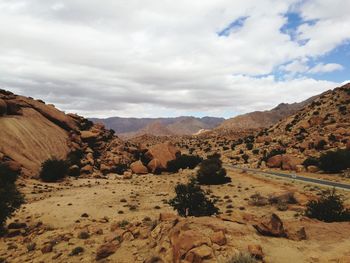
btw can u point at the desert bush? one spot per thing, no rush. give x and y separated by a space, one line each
211 171
311 161
53 170
119 168
249 146
183 162
329 208
245 157
255 151
320 145
10 198
335 161
242 258
190 200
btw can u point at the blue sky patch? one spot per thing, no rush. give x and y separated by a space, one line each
233 26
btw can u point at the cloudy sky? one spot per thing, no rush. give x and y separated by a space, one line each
167 58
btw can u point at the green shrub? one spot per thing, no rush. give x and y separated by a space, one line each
183 162
211 171
10 198
53 170
335 161
249 146
311 161
329 208
190 200
245 157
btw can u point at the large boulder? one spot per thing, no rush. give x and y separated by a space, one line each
88 135
138 168
3 107
274 161
348 144
290 162
164 152
154 166
271 226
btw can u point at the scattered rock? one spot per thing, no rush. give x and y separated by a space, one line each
218 238
106 250
271 226
256 251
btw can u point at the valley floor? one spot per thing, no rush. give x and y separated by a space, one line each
87 213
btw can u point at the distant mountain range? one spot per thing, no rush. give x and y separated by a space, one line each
263 119
184 125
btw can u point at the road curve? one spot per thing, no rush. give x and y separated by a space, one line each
293 177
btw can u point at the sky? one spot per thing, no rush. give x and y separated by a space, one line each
151 58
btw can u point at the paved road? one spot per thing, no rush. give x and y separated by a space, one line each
293 177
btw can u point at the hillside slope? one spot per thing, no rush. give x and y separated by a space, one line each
262 119
322 125
32 132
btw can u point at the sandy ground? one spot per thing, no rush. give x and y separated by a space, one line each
60 206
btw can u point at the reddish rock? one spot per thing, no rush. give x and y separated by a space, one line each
164 152
218 238
154 166
271 226
348 144
274 161
88 135
312 169
106 250
47 248
290 162
198 254
256 251
138 168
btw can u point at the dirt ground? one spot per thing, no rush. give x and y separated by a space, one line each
67 208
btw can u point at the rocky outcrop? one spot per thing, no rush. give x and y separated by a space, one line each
163 152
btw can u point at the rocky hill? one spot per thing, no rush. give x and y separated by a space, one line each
131 127
32 132
321 125
262 119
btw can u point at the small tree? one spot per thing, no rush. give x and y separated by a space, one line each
212 172
10 198
183 162
53 170
335 161
190 200
328 208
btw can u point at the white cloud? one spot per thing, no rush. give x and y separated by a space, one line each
323 68
142 58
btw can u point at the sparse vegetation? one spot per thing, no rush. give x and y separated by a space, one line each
53 170
335 161
190 200
183 162
329 208
212 172
10 198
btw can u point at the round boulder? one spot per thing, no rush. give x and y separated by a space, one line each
138 168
